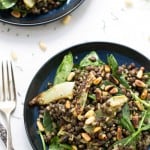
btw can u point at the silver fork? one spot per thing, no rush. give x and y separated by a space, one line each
7 97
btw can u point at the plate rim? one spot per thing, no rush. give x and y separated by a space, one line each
43 22
61 53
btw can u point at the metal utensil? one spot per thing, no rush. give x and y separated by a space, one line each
7 97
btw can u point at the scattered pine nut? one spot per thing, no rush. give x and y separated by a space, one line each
128 3
14 56
42 46
66 20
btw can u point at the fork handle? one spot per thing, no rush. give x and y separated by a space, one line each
9 137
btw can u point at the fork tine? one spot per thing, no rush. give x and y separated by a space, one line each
8 80
3 83
13 82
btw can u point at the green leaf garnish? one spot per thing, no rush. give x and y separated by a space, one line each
6 4
56 145
125 120
64 69
42 140
47 122
87 60
112 62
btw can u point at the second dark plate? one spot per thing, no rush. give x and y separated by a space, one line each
32 20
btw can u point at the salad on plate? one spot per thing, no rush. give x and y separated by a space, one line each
95 105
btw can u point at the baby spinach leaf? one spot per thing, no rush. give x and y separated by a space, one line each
123 81
56 145
64 69
92 59
125 120
88 128
6 4
112 62
47 122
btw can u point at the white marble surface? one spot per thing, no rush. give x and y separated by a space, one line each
94 20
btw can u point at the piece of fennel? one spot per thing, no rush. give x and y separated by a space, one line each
56 92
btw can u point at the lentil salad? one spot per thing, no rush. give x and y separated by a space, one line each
106 107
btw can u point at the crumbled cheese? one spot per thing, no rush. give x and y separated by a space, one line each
66 20
42 46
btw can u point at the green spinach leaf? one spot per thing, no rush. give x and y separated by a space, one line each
64 69
92 59
123 81
125 120
56 145
47 122
6 4
112 62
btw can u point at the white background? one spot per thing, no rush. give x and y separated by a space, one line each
95 20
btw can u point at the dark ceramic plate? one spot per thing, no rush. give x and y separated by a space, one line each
51 16
123 54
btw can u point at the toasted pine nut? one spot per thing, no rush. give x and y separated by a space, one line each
70 76
108 87
96 129
102 137
74 147
67 104
16 14
40 126
66 19
42 46
86 137
144 94
139 105
89 114
90 120
140 83
97 80
139 74
107 68
14 56
113 90
119 133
